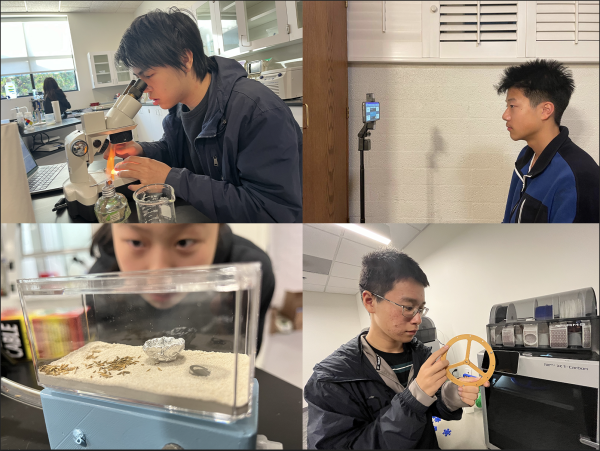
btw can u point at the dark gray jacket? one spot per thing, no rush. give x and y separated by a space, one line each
250 149
356 402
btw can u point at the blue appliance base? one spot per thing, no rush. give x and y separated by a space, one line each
115 425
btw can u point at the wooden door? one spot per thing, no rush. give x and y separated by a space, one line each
325 90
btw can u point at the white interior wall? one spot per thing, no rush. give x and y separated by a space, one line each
493 263
441 152
90 32
364 319
257 233
330 320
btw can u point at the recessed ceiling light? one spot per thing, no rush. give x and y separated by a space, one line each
366 232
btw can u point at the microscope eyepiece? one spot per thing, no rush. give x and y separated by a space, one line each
137 89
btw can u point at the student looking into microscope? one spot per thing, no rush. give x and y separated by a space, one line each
231 147
554 180
381 389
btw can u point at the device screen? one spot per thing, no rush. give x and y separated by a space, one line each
30 163
371 111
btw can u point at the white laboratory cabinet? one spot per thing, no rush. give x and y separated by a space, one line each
464 31
106 72
230 28
149 123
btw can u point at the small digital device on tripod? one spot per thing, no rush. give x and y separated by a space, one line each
370 114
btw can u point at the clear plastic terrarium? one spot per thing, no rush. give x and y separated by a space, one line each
199 325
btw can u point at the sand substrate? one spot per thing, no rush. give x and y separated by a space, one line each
148 381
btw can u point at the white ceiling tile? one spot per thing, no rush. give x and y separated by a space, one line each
69 9
314 279
12 4
76 4
130 5
319 243
331 228
419 226
344 283
39 7
350 235
346 271
104 7
351 253
341 290
309 287
12 9
402 234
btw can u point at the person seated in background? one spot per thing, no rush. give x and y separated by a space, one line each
554 180
231 147
53 93
138 247
382 388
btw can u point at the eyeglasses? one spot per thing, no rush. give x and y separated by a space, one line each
407 312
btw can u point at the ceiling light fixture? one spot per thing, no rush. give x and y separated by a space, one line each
365 232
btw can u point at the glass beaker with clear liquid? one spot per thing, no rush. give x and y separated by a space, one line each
155 203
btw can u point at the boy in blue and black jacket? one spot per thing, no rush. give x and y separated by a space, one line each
554 180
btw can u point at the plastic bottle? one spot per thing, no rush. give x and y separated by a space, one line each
20 119
111 207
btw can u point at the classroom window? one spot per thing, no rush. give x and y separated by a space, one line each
55 249
34 48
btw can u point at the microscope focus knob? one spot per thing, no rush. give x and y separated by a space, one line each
79 148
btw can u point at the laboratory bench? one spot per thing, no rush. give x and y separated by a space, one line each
279 412
44 203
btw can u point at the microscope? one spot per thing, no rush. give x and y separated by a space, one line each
370 114
98 131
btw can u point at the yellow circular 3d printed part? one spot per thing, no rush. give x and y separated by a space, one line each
484 376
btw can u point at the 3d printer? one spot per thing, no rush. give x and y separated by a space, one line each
83 188
544 389
157 358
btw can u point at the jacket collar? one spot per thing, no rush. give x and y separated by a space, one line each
349 363
546 156
223 80
384 370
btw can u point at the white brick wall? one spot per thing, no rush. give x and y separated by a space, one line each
441 152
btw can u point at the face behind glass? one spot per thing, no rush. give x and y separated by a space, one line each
140 247
522 120
388 316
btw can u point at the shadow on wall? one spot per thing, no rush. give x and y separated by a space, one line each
438 147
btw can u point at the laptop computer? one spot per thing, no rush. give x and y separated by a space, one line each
43 179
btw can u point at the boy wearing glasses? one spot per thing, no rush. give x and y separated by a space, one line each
381 389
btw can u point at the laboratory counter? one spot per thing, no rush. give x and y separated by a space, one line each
44 203
279 412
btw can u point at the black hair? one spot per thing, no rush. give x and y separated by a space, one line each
160 39
541 81
51 89
383 268
102 243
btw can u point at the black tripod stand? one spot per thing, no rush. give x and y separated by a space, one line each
363 144
370 114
